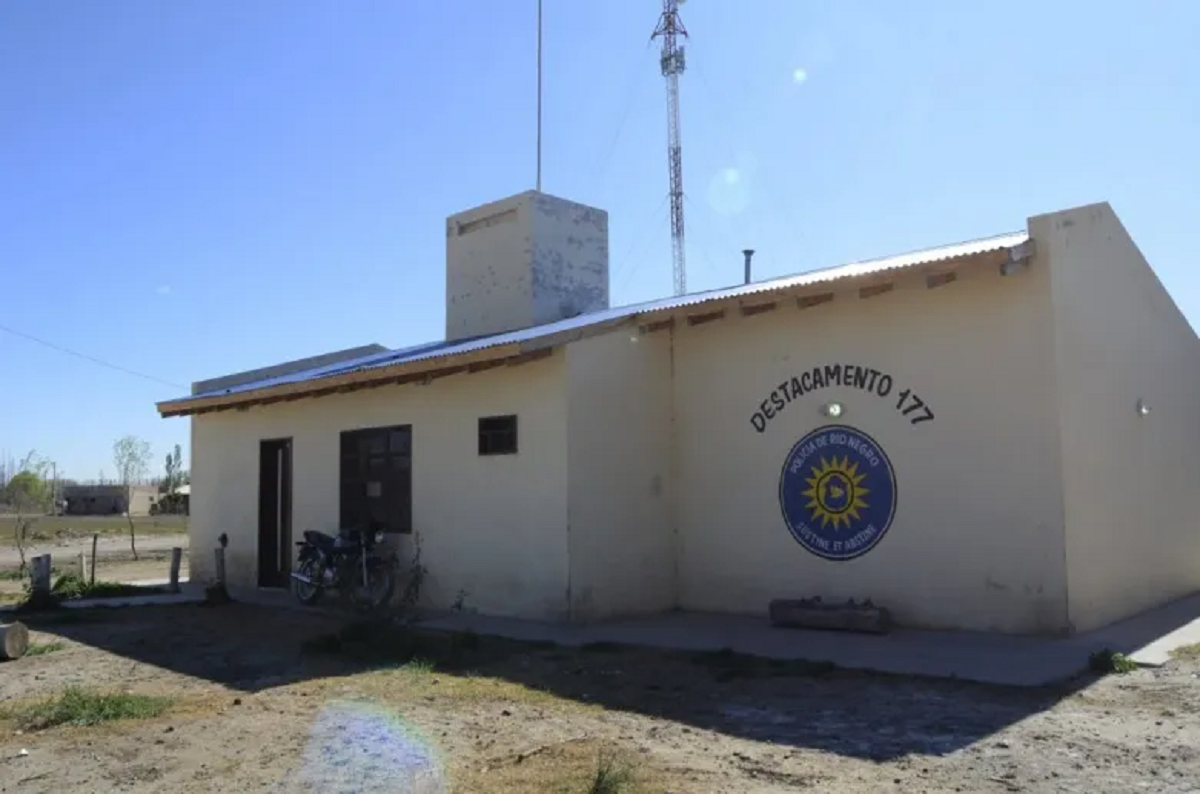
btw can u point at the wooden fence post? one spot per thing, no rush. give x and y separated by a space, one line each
83 566
41 578
92 568
176 558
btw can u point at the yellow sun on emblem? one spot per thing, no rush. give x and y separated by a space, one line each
835 492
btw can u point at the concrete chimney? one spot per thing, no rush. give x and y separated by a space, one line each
526 260
748 253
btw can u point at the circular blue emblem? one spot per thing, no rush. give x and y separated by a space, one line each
837 492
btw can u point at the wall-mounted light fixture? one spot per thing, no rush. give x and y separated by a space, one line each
832 410
1142 408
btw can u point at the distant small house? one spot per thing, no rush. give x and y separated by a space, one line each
99 500
175 503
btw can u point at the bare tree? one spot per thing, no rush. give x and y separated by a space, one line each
131 456
27 492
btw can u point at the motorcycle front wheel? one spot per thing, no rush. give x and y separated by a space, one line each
308 594
381 583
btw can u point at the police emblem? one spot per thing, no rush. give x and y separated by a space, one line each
837 492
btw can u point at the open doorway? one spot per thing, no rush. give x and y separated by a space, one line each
274 512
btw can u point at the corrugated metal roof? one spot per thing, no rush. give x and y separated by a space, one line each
443 349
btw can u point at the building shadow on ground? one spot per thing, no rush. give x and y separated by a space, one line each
791 703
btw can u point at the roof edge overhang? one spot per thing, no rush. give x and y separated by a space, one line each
422 370
702 308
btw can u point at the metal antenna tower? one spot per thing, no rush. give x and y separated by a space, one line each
669 27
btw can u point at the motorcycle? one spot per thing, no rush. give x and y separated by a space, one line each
348 563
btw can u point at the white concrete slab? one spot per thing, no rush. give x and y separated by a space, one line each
155 582
1149 638
988 658
158 599
187 595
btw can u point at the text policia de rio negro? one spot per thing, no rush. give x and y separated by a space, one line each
851 376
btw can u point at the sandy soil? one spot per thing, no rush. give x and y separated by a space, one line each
113 548
114 561
254 712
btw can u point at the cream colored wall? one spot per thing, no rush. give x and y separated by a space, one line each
977 537
491 527
489 288
526 260
1133 538
622 543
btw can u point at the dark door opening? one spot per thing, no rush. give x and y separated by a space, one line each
274 512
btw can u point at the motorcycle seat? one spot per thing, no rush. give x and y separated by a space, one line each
319 539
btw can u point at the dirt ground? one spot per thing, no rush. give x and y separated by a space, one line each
114 560
256 709
48 532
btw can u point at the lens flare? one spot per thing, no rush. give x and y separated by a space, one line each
357 746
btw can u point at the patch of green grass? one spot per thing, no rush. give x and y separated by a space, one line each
418 666
1107 661
1187 652
77 706
16 575
72 586
43 648
609 777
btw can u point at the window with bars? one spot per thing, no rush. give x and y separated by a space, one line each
376 479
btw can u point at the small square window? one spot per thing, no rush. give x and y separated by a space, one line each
498 435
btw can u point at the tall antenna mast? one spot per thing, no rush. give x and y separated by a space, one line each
672 61
539 96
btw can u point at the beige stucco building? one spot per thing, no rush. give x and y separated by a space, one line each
103 500
994 435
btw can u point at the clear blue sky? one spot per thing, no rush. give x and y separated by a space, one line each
191 188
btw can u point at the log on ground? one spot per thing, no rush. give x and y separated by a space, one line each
14 640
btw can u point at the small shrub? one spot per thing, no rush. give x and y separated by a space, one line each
610 777
43 648
1107 661
76 706
72 586
418 666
